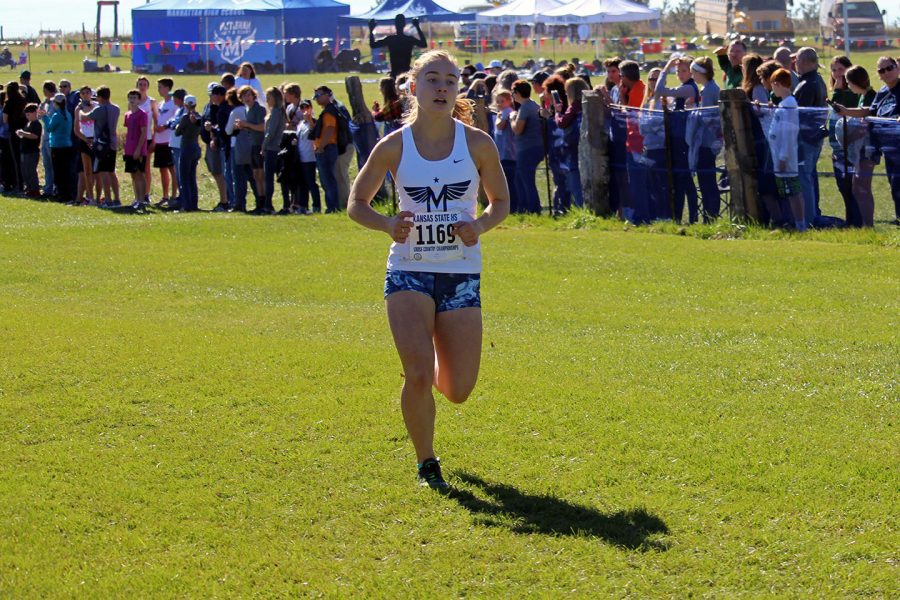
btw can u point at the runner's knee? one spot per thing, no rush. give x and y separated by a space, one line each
419 378
457 394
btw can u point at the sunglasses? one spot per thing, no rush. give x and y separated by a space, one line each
887 69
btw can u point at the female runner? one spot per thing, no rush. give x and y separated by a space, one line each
432 287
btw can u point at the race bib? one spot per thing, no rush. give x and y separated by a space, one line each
432 240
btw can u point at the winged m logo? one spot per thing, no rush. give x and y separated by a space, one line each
449 191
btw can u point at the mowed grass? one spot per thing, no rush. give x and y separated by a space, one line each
207 406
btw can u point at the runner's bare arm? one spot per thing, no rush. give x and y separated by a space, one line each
487 161
385 157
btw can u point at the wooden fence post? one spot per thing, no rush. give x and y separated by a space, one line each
366 135
480 117
740 154
593 154
359 110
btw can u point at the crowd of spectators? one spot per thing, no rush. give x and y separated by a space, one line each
254 137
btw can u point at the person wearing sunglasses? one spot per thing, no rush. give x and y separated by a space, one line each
886 105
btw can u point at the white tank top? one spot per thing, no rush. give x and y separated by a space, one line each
87 127
147 107
438 193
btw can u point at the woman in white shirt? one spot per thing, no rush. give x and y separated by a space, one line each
247 76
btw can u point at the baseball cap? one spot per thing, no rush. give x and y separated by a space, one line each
217 90
304 103
210 87
59 98
192 100
180 93
540 77
322 89
25 75
495 64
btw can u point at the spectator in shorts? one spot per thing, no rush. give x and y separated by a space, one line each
105 118
782 136
162 137
215 161
84 131
151 108
30 135
137 128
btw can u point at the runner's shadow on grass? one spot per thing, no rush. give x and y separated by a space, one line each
544 514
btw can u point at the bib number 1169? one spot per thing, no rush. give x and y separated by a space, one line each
432 238
435 234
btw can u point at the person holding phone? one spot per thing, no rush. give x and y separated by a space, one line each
885 105
189 129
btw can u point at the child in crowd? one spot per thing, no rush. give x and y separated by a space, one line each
84 132
31 150
505 140
136 132
782 136
306 149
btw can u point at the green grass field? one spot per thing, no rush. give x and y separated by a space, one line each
206 405
197 405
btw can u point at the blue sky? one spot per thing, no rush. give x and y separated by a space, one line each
22 19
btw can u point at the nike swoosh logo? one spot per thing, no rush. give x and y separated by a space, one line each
458 161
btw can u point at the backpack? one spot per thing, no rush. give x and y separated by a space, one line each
344 137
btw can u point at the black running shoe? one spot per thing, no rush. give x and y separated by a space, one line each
430 474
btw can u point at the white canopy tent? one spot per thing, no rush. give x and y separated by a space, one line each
600 11
518 11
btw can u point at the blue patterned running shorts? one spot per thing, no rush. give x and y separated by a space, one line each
449 291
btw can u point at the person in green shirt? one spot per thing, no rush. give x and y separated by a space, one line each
841 94
858 82
730 61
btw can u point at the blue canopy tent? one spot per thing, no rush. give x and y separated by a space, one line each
274 35
427 10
